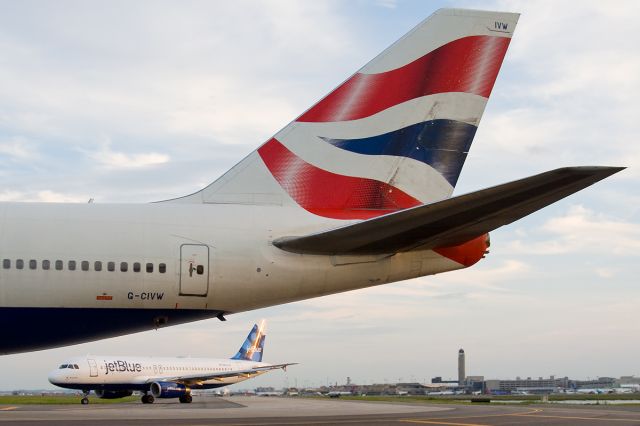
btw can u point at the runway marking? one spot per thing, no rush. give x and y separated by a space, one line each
433 422
574 417
533 413
7 408
324 422
478 416
441 421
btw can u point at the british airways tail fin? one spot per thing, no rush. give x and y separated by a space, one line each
394 135
253 346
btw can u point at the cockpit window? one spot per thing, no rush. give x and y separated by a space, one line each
63 366
76 366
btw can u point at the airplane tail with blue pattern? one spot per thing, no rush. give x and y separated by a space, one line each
394 135
253 346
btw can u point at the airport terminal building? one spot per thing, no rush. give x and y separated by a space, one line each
540 384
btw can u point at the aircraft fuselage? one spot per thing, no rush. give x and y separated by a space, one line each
74 272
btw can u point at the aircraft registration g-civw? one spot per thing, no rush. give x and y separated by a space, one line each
355 192
117 377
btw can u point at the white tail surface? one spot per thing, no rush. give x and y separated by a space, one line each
394 135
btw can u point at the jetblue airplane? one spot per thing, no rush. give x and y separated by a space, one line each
116 377
355 192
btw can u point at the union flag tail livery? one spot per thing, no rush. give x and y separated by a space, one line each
395 134
356 192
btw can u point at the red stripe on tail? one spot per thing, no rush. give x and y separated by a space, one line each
469 65
328 194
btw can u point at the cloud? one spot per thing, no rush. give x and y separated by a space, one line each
18 149
178 86
605 272
441 293
111 159
490 277
581 230
566 94
44 196
387 4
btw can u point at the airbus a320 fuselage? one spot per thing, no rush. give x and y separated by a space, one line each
355 192
112 377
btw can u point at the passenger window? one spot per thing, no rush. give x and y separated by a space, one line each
111 266
124 266
97 266
6 263
162 268
84 265
19 264
149 267
72 265
58 265
33 264
200 270
46 265
136 267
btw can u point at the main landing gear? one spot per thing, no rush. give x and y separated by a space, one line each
186 399
147 399
85 400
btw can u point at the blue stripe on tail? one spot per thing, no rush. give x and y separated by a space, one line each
442 144
253 346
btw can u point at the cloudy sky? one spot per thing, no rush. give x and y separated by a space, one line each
148 100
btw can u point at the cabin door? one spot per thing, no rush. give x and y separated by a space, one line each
93 368
194 270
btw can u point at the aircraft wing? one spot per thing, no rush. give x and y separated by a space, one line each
451 221
197 378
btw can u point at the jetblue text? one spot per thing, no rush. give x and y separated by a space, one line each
122 366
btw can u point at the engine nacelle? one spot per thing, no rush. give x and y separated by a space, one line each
107 394
168 390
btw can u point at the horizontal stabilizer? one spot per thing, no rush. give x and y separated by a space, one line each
452 221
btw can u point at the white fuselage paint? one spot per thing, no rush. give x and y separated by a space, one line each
104 372
243 271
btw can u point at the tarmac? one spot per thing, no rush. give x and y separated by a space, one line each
313 411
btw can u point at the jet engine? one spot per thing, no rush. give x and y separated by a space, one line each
107 394
168 390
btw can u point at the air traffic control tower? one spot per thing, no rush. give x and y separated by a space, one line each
461 372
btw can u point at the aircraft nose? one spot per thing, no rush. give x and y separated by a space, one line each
54 377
